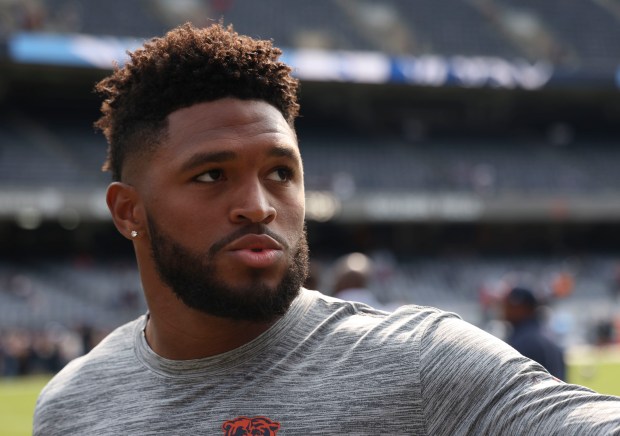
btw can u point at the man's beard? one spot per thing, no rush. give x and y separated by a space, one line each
194 279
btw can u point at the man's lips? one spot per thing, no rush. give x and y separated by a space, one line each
255 251
254 242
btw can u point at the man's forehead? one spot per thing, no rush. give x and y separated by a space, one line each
226 116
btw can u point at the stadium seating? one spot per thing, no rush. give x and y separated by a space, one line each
454 28
447 28
37 294
597 48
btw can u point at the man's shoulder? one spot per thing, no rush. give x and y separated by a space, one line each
362 308
113 355
408 318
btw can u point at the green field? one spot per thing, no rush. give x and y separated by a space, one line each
598 370
17 399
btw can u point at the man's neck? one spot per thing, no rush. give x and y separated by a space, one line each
199 335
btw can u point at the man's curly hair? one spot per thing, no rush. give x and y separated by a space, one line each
185 67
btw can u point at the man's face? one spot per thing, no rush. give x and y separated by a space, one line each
224 199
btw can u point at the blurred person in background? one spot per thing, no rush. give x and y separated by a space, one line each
352 275
521 309
208 185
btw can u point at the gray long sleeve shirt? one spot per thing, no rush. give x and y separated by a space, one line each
326 367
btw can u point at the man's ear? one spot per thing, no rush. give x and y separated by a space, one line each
126 209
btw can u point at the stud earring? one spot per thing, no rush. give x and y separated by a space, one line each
133 233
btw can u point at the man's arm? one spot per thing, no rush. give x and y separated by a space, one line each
474 383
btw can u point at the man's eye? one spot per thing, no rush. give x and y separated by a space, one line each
281 175
210 176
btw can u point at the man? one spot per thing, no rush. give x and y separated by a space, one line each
208 184
521 308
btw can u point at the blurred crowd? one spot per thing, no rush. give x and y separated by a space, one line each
25 352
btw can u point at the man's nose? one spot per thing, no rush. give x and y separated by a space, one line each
252 205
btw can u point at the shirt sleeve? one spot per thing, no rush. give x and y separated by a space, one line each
474 383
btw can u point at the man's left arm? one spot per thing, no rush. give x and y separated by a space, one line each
474 383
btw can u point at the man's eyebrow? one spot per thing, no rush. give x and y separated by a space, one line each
200 159
282 151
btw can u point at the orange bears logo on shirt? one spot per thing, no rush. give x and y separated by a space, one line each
242 426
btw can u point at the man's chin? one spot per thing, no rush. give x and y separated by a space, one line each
256 302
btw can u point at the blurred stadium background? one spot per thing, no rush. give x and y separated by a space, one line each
464 145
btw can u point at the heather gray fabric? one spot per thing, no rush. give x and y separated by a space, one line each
327 367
